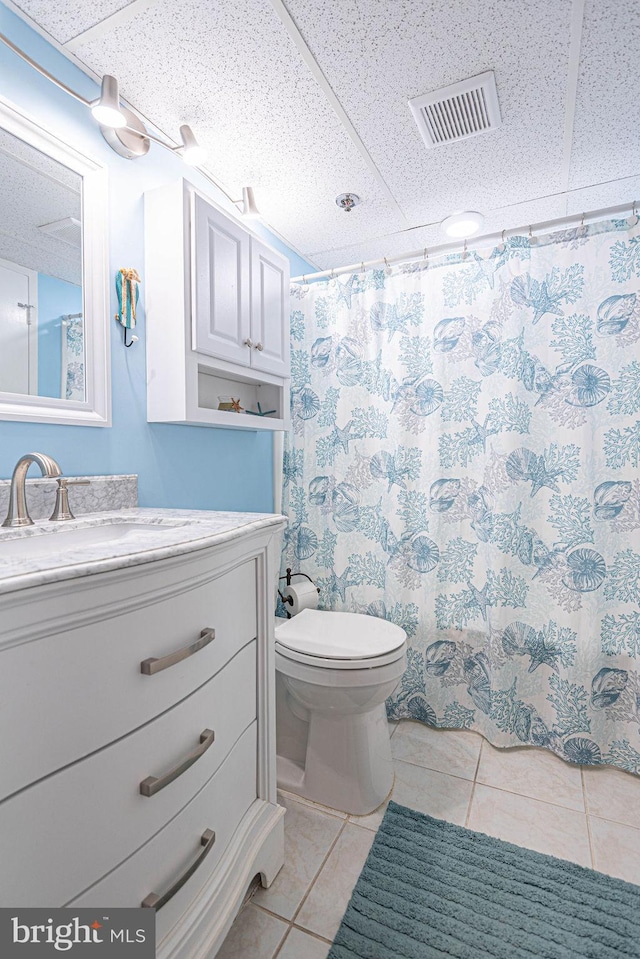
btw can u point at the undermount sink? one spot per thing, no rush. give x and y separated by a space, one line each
50 543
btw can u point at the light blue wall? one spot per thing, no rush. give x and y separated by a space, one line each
179 466
55 298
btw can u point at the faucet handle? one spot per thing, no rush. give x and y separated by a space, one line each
61 510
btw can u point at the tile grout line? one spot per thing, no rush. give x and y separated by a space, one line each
308 932
475 782
315 878
299 926
309 804
432 769
290 924
587 817
473 787
475 775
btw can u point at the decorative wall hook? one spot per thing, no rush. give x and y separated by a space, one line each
127 281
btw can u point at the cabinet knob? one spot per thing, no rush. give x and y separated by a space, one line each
259 347
248 342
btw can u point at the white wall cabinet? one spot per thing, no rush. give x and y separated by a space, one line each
217 305
76 826
269 310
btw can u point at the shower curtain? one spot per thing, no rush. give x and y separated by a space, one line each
463 461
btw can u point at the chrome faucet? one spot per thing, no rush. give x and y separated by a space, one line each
18 514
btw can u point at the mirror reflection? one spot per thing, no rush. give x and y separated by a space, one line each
42 343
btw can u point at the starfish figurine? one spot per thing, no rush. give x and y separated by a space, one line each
259 412
235 405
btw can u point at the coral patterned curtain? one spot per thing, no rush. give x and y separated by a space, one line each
463 461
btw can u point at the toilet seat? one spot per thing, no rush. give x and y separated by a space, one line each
337 640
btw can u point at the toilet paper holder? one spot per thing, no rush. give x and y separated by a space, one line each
287 599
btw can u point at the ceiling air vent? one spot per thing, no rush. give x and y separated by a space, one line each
461 110
69 230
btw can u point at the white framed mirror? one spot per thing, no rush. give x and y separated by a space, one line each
54 300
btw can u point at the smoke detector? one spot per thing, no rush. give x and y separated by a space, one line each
462 110
69 230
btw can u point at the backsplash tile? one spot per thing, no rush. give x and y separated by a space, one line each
102 493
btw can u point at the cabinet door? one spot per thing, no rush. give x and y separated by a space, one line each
221 303
269 310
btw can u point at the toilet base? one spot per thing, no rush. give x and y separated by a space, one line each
348 764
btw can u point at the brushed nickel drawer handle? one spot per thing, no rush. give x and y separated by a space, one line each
151 666
153 901
152 784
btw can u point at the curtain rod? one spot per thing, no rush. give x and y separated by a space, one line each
486 240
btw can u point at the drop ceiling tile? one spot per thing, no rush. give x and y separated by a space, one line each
517 217
606 131
43 165
36 191
377 56
392 245
522 215
232 72
608 194
65 20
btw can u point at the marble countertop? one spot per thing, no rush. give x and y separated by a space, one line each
153 534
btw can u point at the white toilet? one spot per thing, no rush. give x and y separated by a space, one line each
334 672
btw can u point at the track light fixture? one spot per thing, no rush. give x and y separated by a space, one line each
190 150
126 133
106 110
249 209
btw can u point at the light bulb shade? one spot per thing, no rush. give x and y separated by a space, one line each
249 208
462 225
106 110
192 152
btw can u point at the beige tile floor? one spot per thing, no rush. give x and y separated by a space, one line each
526 796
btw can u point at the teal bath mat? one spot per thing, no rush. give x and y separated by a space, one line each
431 890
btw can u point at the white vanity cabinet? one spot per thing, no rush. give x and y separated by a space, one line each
217 307
138 743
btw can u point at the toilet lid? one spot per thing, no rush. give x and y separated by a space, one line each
344 636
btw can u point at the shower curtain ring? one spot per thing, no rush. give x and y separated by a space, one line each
464 251
582 220
503 235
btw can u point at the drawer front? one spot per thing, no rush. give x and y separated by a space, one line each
66 695
63 833
159 865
